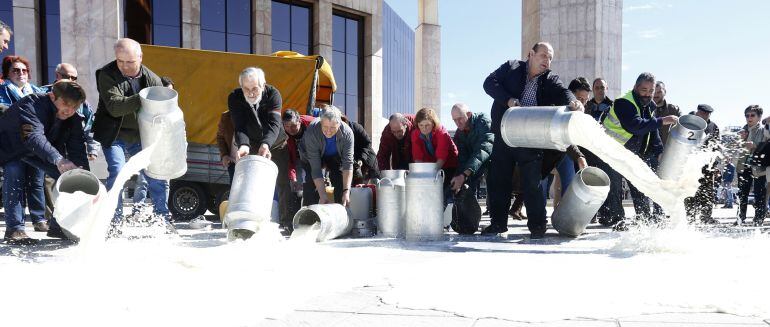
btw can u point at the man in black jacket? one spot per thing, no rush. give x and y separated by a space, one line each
43 131
364 158
521 83
705 198
255 110
115 124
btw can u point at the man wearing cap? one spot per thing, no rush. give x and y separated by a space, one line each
702 203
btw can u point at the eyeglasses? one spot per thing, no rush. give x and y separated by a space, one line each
20 70
71 78
750 115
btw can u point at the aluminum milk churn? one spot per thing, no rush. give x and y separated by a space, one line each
424 202
685 138
161 120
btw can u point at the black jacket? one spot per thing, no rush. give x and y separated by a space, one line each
30 128
362 148
261 126
646 140
118 105
508 82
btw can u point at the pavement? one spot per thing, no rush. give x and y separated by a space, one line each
367 305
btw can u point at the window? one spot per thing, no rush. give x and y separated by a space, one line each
154 21
226 25
291 22
51 38
6 15
347 62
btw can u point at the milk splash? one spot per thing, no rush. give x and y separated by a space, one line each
586 132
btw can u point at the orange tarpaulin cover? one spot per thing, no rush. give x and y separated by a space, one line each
204 79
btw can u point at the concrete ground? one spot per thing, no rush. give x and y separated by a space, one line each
366 305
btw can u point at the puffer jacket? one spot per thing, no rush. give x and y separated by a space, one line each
475 145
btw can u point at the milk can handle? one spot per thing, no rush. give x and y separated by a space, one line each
440 174
162 121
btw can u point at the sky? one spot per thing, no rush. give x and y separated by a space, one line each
706 51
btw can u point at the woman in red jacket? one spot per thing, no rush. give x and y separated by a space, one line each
432 143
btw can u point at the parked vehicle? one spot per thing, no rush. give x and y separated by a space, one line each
204 79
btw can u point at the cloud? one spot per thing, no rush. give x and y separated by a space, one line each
650 34
647 6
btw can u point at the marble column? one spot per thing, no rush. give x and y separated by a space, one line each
322 29
26 36
427 55
191 24
89 29
587 37
262 35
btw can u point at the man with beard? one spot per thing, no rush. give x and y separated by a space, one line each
631 122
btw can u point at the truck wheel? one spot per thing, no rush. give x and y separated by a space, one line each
187 200
218 198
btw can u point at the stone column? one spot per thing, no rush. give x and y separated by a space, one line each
26 36
262 31
89 29
322 29
191 24
427 56
586 36
373 121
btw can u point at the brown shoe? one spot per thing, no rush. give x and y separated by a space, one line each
18 237
41 226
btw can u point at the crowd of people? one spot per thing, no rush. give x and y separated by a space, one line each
46 131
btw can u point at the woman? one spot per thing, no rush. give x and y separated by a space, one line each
14 87
432 143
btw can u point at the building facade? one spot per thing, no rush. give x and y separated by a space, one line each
364 40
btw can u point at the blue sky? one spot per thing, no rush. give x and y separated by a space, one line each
707 51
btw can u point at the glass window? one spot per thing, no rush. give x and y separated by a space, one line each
167 23
291 26
137 19
347 65
226 25
51 39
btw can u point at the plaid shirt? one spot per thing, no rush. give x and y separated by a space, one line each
529 96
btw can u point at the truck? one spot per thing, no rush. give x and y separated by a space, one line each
203 80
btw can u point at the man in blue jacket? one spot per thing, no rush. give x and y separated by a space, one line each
521 83
632 122
41 130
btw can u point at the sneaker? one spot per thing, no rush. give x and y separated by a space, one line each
494 230
18 237
41 226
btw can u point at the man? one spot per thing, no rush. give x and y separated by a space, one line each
705 198
116 127
295 126
521 83
225 138
69 72
474 144
631 122
600 104
728 176
5 36
327 143
395 144
41 130
255 110
365 164
751 176
663 108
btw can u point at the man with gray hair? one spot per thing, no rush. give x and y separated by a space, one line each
5 36
474 139
327 144
255 110
631 121
116 126
395 144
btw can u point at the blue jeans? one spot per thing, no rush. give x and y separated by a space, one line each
22 182
728 193
566 169
116 155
